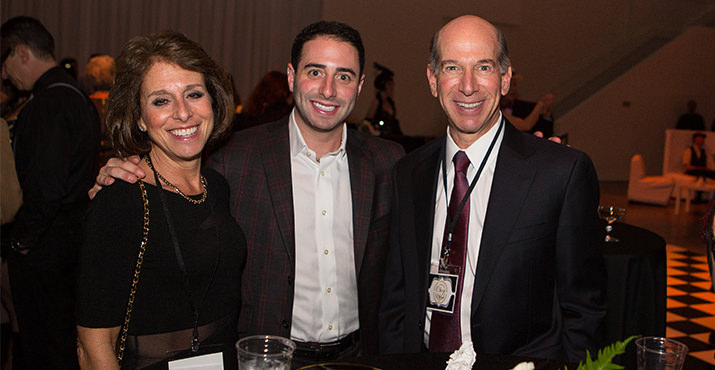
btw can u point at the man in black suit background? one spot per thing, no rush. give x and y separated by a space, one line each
522 272
56 151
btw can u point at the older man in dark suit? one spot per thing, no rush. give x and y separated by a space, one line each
502 248
313 199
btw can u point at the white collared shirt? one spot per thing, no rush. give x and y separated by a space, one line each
478 200
325 303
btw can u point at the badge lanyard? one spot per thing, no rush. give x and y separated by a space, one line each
453 223
196 308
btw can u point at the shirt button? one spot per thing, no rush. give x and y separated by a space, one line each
308 154
322 173
326 252
328 290
324 212
330 327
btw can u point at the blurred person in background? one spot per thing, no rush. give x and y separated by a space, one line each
100 72
691 120
10 202
270 100
528 116
12 101
56 151
382 113
698 159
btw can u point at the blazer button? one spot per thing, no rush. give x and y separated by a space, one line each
419 324
285 323
290 280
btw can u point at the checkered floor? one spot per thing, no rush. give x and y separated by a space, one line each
691 306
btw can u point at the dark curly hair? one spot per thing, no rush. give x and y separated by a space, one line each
331 30
134 61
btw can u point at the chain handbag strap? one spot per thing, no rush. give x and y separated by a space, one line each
135 280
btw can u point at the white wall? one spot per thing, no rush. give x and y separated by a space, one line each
396 34
658 90
552 42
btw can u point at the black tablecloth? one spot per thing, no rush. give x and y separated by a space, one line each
430 361
636 267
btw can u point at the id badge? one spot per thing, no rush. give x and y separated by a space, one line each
442 291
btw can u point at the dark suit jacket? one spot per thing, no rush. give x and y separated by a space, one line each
256 163
540 279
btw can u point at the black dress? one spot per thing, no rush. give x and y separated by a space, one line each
213 248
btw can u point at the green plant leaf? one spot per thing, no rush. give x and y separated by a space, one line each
605 356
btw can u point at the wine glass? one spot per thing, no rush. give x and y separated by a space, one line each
611 214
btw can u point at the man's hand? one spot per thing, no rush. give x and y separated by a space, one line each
124 169
555 139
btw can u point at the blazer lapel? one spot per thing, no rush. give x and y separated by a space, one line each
362 184
512 179
276 164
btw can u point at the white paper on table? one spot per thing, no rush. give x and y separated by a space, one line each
213 361
524 366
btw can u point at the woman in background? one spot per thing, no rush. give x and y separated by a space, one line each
270 101
382 112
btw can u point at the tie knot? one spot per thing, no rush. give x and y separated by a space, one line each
461 162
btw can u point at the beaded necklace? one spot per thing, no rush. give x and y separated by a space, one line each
194 201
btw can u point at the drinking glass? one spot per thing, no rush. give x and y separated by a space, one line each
611 214
265 352
656 353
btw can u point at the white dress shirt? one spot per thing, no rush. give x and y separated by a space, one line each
325 304
478 201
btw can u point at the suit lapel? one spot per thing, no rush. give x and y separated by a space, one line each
362 185
512 178
276 164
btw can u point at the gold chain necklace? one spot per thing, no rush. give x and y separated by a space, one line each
194 201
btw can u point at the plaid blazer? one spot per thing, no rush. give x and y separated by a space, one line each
256 164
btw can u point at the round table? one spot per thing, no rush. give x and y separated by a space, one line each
636 267
430 361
